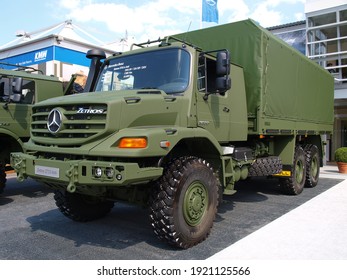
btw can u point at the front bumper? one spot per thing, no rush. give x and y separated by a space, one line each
74 174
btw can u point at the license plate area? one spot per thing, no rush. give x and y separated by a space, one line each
51 172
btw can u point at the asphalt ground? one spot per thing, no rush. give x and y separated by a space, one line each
32 228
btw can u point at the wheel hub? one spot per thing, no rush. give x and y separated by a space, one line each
314 167
195 203
299 171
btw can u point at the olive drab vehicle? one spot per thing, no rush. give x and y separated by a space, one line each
19 90
174 126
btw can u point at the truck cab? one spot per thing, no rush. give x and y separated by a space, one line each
19 90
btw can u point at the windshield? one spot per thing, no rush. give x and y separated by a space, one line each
166 69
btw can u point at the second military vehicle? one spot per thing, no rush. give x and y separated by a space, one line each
19 90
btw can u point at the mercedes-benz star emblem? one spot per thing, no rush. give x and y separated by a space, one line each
54 121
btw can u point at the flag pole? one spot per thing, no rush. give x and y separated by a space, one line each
201 14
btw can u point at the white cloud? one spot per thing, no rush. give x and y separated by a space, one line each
265 15
70 4
299 16
270 12
156 18
267 12
275 3
236 10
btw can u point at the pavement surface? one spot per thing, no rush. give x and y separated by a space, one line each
315 230
256 223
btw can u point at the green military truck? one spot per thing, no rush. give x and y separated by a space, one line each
19 90
174 126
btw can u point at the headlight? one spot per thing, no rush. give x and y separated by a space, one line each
109 172
97 172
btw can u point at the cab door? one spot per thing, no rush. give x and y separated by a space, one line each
214 115
213 112
222 108
16 114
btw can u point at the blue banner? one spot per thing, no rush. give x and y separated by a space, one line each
29 58
71 56
209 11
44 55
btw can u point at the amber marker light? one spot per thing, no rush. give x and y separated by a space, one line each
165 144
133 143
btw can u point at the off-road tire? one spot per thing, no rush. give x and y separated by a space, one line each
82 208
184 202
313 165
265 166
294 185
2 177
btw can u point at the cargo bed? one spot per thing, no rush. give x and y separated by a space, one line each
287 93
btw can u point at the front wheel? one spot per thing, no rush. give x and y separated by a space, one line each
184 203
80 207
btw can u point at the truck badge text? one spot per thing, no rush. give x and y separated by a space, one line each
90 111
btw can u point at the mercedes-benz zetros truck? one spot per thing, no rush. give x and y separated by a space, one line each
174 125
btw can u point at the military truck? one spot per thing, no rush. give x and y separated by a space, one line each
19 90
174 124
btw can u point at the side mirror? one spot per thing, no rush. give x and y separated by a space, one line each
223 63
223 81
17 85
16 97
223 84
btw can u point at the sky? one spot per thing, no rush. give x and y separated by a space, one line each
113 20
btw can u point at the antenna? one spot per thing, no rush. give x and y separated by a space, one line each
185 37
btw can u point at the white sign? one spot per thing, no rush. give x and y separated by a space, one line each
47 171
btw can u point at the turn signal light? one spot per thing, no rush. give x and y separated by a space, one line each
165 144
129 143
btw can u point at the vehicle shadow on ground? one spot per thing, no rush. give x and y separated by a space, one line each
125 226
28 188
126 232
5 200
128 226
249 191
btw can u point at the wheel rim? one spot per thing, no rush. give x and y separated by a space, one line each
195 203
299 171
314 167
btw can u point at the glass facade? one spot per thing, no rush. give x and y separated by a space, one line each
327 45
293 34
327 41
295 38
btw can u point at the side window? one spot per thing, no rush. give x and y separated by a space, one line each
4 89
207 75
28 92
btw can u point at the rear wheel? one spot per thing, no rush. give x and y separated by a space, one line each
184 203
80 207
296 182
313 165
